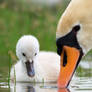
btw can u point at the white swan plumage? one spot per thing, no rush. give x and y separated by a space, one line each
74 31
46 64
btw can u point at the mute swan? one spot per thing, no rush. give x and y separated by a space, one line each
74 32
34 66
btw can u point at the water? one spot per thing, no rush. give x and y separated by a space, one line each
78 84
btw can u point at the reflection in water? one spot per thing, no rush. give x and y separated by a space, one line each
63 90
27 87
30 89
79 84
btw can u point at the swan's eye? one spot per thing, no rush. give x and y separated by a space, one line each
76 28
24 54
35 54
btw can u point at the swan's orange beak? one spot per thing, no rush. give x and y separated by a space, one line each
69 61
63 90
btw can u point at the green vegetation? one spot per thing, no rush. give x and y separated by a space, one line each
81 72
9 69
40 22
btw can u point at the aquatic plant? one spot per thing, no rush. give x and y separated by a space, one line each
10 63
12 58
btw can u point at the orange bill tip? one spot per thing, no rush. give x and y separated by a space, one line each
63 90
68 65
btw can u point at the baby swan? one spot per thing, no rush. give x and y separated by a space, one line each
34 65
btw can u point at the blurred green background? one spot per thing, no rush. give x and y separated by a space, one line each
21 17
29 17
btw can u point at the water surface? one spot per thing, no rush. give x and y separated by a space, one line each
78 84
82 82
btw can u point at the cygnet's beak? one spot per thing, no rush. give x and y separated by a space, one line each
30 68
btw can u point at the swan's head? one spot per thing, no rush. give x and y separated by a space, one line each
26 50
74 33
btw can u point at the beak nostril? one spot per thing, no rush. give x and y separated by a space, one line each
64 59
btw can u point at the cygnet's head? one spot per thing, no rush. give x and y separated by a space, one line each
26 50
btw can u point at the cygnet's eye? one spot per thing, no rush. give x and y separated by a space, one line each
35 54
76 28
24 54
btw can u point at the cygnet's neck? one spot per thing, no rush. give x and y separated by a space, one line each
23 66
